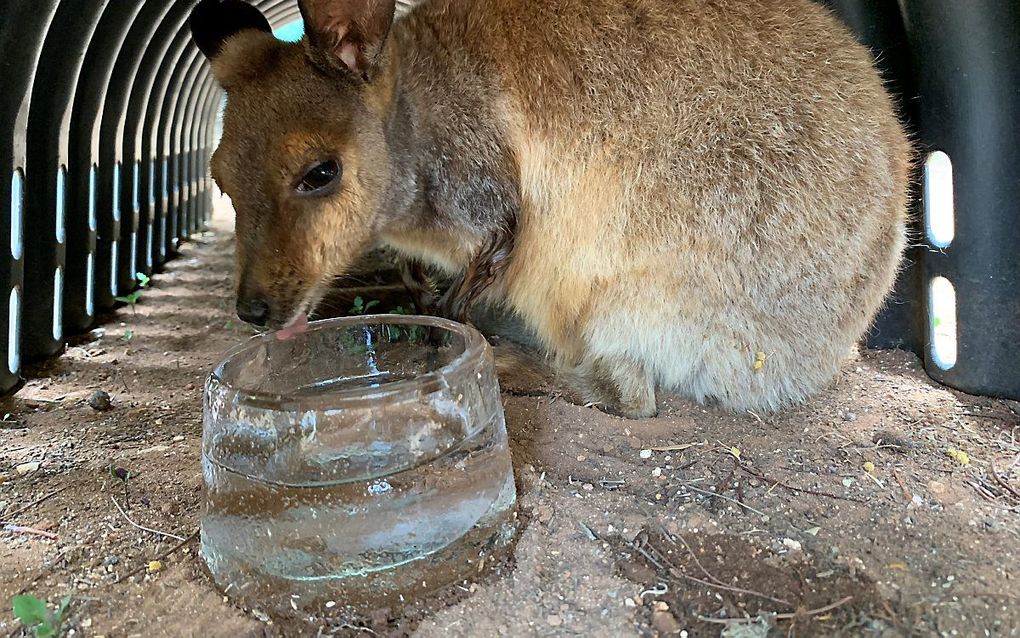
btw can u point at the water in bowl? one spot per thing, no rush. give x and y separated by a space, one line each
372 503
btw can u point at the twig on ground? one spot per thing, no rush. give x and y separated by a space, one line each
359 628
688 486
37 501
56 401
1002 482
724 485
784 616
651 559
592 536
142 527
803 490
975 415
718 583
983 491
21 529
161 557
696 561
906 493
873 478
676 448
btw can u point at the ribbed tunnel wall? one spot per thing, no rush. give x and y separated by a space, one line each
108 117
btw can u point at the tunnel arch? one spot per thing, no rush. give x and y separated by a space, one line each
109 121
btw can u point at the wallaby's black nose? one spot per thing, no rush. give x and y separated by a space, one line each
253 311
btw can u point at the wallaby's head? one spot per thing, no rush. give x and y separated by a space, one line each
303 155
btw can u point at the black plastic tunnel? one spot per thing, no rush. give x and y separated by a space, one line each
108 117
108 120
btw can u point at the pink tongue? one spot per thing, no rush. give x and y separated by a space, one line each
296 327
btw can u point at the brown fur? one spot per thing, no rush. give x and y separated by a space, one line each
660 189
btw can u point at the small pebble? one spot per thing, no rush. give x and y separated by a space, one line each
665 623
178 438
27 468
792 545
554 620
100 401
645 454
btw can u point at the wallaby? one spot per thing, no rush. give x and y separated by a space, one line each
707 198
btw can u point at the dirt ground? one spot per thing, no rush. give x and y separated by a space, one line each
852 515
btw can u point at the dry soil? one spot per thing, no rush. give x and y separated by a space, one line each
854 514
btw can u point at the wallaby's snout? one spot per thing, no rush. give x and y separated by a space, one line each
253 310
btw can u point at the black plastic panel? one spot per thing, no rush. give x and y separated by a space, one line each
966 56
22 30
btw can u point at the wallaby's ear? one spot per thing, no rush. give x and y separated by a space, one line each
347 34
213 22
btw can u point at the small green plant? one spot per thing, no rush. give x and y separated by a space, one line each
132 298
35 615
415 334
128 336
121 474
229 325
360 307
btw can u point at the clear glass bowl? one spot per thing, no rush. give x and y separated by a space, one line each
362 462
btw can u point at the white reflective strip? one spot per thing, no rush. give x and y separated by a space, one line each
116 192
61 202
58 304
939 207
17 213
92 198
942 317
90 286
134 252
14 332
114 288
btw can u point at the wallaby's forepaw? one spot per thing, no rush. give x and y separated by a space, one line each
619 386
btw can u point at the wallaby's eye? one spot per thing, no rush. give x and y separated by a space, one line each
319 177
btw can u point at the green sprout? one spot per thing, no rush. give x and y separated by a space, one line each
132 298
34 614
121 474
360 307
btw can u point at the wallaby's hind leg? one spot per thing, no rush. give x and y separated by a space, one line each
617 385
